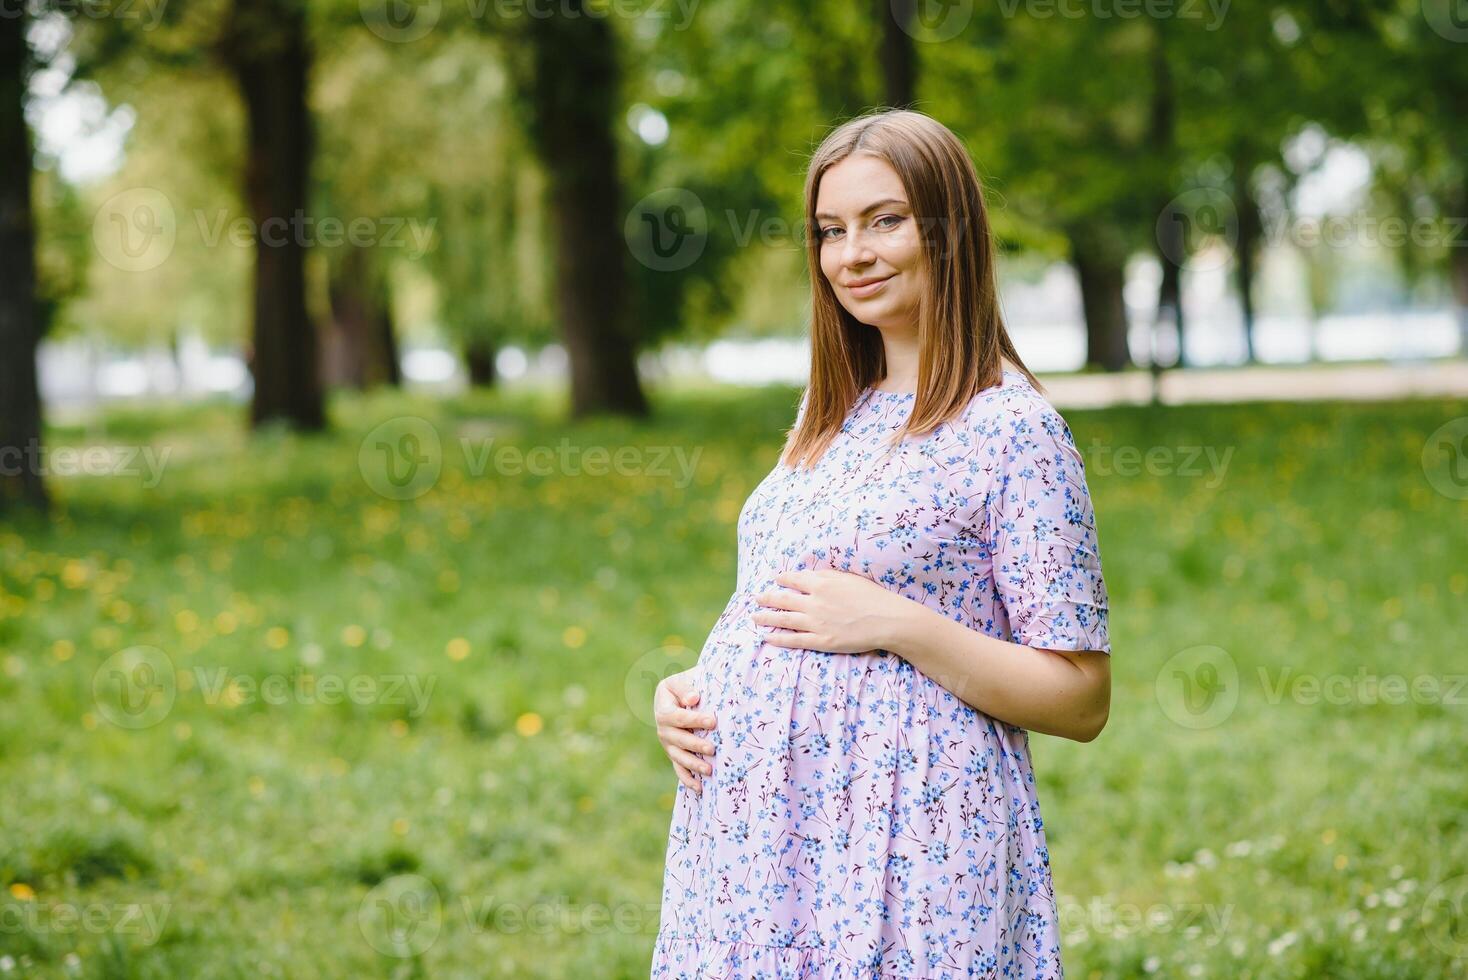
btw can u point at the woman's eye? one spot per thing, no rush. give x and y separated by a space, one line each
825 231
890 217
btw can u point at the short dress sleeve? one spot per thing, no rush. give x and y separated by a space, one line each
1047 562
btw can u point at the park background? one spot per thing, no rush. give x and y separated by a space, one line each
380 382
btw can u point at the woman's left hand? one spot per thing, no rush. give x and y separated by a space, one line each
831 612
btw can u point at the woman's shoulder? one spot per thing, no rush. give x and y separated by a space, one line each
1013 397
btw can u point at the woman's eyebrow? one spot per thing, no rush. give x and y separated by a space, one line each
866 210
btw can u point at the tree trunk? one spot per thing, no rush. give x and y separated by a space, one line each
573 103
1170 300
1458 272
1100 266
1171 243
265 45
899 66
387 343
358 347
1251 232
20 324
479 357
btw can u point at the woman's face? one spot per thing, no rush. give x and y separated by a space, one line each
868 235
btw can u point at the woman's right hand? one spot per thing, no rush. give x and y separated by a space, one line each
673 710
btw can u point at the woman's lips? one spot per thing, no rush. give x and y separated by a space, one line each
870 288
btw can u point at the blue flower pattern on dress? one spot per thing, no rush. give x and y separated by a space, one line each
861 820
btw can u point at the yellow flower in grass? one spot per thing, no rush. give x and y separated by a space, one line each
75 574
22 892
354 636
573 636
529 724
457 649
277 637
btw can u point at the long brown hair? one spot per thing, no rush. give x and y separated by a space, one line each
961 334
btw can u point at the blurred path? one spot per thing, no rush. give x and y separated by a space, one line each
1306 382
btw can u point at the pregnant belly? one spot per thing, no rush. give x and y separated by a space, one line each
843 785
797 725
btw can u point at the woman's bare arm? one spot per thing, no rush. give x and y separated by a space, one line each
1058 692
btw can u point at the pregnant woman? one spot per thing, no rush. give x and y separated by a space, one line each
919 586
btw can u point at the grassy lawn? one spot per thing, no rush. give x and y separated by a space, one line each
260 718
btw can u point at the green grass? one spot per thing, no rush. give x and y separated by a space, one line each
522 786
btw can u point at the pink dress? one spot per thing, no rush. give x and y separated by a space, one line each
861 821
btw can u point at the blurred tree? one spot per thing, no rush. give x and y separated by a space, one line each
1243 97
572 92
1417 133
359 345
265 47
1079 164
1390 75
20 323
899 60
489 258
1171 237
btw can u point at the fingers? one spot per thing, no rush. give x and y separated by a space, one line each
688 779
688 760
683 718
686 740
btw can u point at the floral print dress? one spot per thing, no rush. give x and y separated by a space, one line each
861 821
